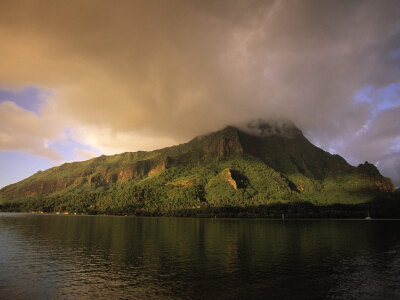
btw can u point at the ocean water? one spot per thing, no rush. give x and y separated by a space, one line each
105 257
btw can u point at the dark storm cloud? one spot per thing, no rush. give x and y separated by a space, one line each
143 74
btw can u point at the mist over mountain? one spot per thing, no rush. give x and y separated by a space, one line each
101 78
263 128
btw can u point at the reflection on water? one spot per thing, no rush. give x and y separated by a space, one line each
48 256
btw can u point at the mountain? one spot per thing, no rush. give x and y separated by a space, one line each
260 166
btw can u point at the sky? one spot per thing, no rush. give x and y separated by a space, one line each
83 78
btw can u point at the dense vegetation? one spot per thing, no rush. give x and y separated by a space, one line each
226 173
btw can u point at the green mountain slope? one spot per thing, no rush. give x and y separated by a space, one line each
228 168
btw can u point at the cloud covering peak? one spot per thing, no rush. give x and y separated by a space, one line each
147 74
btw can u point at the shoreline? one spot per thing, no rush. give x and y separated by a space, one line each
200 217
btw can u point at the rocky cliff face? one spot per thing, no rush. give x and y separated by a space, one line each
370 172
105 172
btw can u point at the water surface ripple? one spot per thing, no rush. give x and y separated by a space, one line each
70 257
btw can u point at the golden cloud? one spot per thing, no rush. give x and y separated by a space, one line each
151 73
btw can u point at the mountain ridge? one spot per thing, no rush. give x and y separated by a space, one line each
229 167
